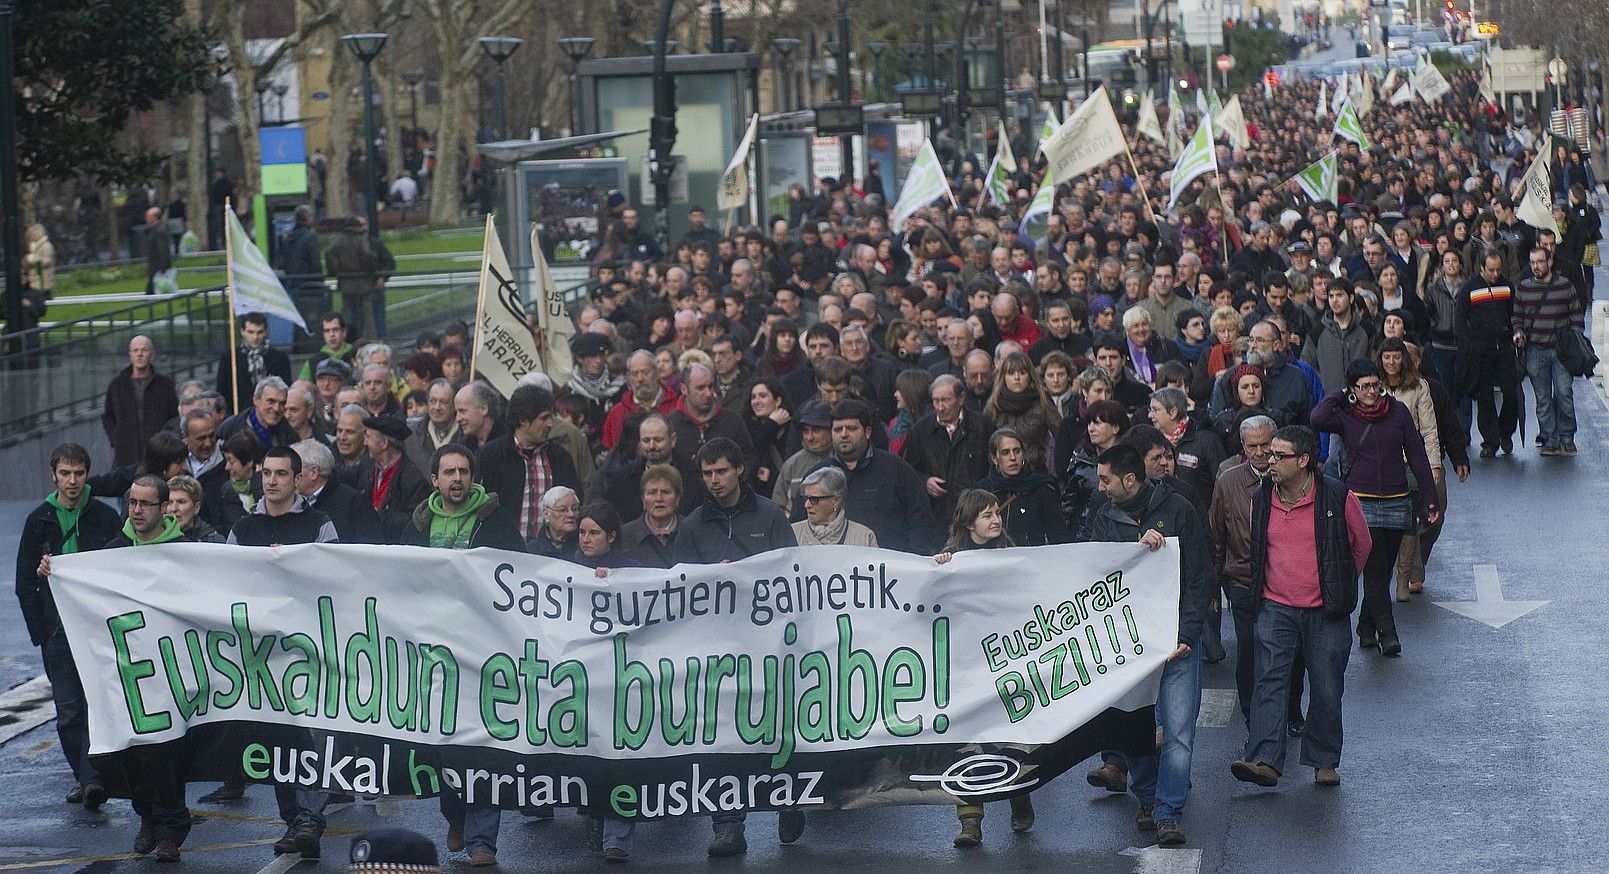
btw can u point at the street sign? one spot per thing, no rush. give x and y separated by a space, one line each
1558 68
1225 63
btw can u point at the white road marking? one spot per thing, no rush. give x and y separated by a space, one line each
25 708
1489 606
281 864
1218 708
1160 860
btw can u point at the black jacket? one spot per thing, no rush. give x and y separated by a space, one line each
408 488
276 362
283 433
1031 507
619 481
41 535
887 496
1075 346
502 470
710 534
301 257
300 525
130 419
355 520
1196 457
960 462
1338 575
1172 516
643 547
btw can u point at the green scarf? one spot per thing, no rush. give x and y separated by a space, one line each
453 530
67 519
170 531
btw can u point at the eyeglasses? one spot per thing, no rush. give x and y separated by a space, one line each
816 499
1367 386
149 505
1282 456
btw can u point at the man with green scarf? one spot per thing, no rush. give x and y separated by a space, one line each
67 522
460 513
156 771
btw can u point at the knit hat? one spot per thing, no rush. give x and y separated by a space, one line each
1246 370
393 851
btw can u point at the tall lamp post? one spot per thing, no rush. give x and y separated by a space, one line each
576 48
280 90
413 79
785 46
9 202
845 90
877 49
500 49
367 46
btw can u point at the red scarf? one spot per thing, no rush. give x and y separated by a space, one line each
382 483
1375 413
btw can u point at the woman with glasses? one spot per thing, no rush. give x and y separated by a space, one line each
558 535
824 523
1382 445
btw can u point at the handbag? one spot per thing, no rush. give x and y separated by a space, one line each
1575 351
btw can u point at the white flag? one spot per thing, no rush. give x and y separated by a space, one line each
1430 83
1338 99
252 284
1536 208
1488 93
1035 220
998 182
504 349
1232 121
1403 95
1148 124
924 184
552 319
1365 98
1323 99
1200 157
734 190
1088 136
1175 129
1203 109
1391 80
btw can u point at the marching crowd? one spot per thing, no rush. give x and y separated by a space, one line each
1288 386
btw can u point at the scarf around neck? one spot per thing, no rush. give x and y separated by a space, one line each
833 532
1373 413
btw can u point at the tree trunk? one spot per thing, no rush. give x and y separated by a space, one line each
446 195
195 165
385 88
337 196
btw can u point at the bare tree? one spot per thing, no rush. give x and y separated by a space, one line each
456 25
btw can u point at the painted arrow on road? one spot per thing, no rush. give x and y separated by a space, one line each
1489 606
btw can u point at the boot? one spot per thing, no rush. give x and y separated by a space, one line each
1022 814
971 833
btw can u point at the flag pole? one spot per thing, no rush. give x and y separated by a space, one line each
480 301
1223 208
1138 182
229 298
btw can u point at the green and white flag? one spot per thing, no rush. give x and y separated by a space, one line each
924 184
1213 106
1203 108
1199 158
1149 124
1035 222
1318 180
734 188
1048 129
1387 87
1347 126
253 286
1175 129
1000 170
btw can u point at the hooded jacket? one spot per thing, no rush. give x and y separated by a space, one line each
482 521
42 535
712 534
128 537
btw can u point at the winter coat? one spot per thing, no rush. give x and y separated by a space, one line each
131 418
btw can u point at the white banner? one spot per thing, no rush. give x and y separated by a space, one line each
1430 83
505 348
790 653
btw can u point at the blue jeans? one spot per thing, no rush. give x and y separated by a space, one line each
617 833
301 806
1325 643
1165 782
72 708
480 823
1555 396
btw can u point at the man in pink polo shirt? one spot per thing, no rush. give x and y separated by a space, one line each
1309 543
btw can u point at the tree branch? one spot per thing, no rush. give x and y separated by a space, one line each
321 19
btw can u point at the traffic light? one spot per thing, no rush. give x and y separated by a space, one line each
1271 78
1229 32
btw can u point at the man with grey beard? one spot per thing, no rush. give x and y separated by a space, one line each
1288 393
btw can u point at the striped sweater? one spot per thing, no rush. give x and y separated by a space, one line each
1542 307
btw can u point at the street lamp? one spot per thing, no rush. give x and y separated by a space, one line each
877 49
280 90
576 48
500 49
717 28
261 86
785 46
845 91
413 79
367 46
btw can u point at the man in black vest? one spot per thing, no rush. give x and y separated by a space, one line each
1309 543
282 518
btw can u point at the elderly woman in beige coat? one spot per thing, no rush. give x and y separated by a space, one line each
825 523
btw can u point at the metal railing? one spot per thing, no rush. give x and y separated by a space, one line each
57 374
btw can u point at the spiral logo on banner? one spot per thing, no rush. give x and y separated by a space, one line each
979 774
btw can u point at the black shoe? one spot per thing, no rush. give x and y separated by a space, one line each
308 839
790 825
144 839
1540 440
94 797
1507 445
226 792
728 843
615 856
1390 646
1367 641
1488 452
1295 727
1143 820
166 851
287 844
76 796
